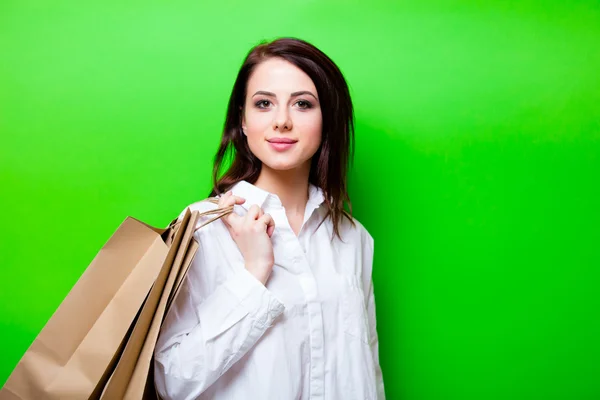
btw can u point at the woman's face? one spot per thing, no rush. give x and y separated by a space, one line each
282 116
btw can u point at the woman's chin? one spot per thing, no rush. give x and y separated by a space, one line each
282 165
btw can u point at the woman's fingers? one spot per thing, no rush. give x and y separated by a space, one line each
227 200
267 220
254 212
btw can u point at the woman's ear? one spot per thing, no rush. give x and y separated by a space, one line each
243 121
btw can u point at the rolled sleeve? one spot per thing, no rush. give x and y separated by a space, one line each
230 322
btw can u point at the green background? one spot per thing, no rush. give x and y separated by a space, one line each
478 149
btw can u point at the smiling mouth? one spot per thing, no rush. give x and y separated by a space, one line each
281 141
281 144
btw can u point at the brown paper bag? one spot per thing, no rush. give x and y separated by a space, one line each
139 383
75 352
141 339
100 341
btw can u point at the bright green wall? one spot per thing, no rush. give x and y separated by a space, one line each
477 166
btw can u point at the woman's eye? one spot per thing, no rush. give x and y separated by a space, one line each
263 103
303 104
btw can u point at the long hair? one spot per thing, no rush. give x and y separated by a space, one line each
329 165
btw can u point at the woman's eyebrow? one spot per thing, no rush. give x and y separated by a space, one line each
264 93
300 93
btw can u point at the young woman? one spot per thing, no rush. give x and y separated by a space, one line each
278 303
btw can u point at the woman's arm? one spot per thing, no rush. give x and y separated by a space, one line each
204 333
368 251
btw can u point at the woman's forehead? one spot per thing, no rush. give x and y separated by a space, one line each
280 77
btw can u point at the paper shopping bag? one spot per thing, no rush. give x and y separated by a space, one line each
133 379
75 353
139 344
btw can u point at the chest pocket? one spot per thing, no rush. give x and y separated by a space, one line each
355 319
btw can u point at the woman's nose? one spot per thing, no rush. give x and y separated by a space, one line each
282 121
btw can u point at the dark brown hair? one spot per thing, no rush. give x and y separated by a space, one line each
329 165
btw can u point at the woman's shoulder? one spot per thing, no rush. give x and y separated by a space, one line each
365 235
354 230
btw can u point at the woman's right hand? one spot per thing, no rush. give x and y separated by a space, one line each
252 234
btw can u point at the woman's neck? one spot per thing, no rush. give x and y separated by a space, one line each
291 186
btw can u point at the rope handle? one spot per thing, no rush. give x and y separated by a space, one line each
218 213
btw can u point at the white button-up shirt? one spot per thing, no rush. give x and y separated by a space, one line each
308 334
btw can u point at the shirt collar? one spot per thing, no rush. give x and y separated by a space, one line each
252 194
260 197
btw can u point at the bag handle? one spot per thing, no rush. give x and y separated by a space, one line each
220 212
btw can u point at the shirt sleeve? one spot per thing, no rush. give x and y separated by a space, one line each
370 301
204 333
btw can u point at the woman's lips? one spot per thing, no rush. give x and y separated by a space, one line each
282 145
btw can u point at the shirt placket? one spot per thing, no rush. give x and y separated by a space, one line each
299 260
